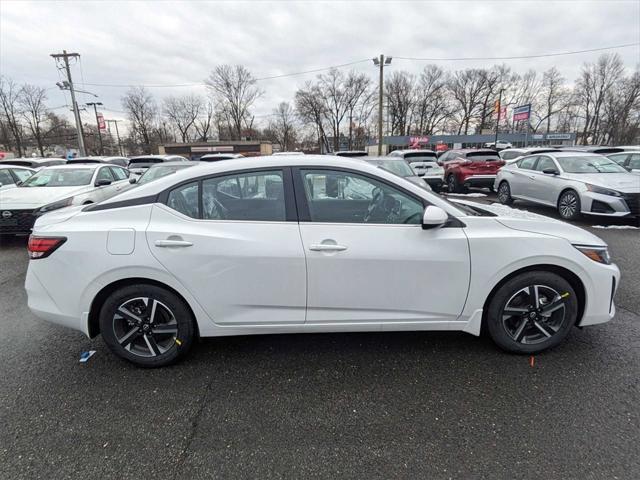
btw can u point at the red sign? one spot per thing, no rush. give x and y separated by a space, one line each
102 125
416 142
522 112
441 147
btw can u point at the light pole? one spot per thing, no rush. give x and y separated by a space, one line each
117 135
495 143
381 62
95 110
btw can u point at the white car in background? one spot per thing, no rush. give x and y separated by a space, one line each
499 145
629 160
138 165
13 175
57 187
575 183
425 164
512 154
308 244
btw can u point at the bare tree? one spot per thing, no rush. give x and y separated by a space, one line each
10 111
203 124
334 93
182 113
142 111
432 104
399 93
621 112
466 88
34 110
236 91
357 88
311 108
596 81
283 127
552 98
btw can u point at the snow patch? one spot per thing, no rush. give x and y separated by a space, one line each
615 227
471 195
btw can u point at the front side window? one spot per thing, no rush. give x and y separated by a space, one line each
527 163
342 197
5 178
619 159
256 196
634 161
104 174
545 163
185 199
119 173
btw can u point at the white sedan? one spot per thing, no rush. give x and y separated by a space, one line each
12 175
308 244
57 187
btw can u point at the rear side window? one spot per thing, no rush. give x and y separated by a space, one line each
510 155
5 178
185 199
257 196
105 174
527 162
482 156
119 173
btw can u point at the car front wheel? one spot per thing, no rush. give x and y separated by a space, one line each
569 205
504 194
147 325
532 312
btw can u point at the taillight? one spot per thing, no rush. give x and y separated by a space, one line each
42 247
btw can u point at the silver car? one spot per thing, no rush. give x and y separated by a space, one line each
573 182
629 160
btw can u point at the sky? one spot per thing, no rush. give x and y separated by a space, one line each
168 43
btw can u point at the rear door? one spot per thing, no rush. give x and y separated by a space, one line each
233 241
520 181
369 262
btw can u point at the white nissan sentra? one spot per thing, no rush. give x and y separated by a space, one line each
285 244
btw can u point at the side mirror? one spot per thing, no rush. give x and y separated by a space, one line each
550 171
103 182
133 180
434 217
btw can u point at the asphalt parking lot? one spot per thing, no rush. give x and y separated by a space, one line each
394 405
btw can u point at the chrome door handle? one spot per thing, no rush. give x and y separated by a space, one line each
173 243
321 247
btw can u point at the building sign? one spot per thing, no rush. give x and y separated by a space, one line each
218 148
503 113
522 112
441 147
415 142
537 136
102 125
558 136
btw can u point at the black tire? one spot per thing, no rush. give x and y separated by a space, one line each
146 346
453 186
569 205
504 193
523 333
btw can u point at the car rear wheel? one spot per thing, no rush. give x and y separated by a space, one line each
532 312
504 194
147 325
569 205
453 186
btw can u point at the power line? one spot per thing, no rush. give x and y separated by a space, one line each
517 57
314 70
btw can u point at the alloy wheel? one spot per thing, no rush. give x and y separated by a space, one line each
145 327
451 183
568 205
503 193
534 314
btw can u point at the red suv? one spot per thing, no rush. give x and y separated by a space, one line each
470 167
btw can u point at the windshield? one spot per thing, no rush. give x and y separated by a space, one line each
399 167
589 164
60 177
155 173
480 156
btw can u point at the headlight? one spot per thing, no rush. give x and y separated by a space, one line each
597 254
54 206
603 191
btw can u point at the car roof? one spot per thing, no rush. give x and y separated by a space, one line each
10 165
32 159
469 150
170 163
571 153
417 150
76 166
250 163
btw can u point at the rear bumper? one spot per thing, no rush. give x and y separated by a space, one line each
480 181
434 182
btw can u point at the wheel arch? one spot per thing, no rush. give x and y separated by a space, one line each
93 322
568 275
565 190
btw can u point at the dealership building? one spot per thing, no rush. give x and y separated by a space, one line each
194 151
442 142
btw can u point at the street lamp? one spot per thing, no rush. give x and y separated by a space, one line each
381 62
95 110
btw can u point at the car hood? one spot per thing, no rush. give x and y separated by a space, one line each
526 221
622 182
33 197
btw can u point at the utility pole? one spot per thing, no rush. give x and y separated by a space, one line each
76 113
381 62
117 136
495 143
95 110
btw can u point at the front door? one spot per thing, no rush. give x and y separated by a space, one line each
368 259
228 241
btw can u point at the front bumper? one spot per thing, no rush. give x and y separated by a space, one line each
609 206
16 221
479 181
600 293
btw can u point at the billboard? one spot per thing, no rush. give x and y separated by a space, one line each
102 125
523 112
